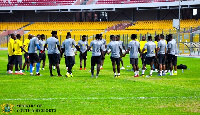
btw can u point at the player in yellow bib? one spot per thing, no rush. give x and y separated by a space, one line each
26 56
142 43
11 57
18 55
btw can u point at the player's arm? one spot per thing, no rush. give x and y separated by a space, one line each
62 49
22 49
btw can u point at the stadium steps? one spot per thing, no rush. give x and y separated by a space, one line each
120 26
26 25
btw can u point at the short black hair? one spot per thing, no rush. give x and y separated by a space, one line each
54 32
162 36
97 36
18 35
68 34
118 35
83 36
111 36
11 35
170 36
149 38
156 37
133 36
42 35
100 35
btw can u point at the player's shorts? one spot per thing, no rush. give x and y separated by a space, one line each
11 59
104 53
34 58
26 58
58 56
18 59
173 59
53 59
148 60
134 61
143 57
95 60
42 56
117 60
83 56
161 58
70 60
156 60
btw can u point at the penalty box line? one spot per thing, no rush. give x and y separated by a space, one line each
101 98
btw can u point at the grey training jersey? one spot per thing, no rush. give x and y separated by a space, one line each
134 45
115 49
41 44
162 45
52 44
68 46
32 45
150 46
103 44
172 46
96 47
83 45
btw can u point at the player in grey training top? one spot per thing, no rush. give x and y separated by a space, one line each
151 49
161 51
58 55
52 43
68 50
116 49
172 50
34 58
42 54
97 52
134 48
83 44
103 41
122 45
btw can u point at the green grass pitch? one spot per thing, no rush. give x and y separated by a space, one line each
105 95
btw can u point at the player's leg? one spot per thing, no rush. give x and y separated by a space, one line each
117 60
16 65
113 65
8 65
98 65
44 59
81 59
122 62
151 65
137 67
50 64
24 62
144 65
175 65
160 64
37 60
20 64
57 63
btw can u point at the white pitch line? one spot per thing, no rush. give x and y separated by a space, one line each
102 98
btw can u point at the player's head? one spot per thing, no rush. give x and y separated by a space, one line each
112 37
83 37
38 36
18 36
68 35
149 38
13 36
54 33
100 36
56 37
143 38
30 36
117 37
170 37
42 37
161 36
133 36
157 38
97 37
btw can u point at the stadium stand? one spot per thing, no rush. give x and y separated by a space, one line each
12 25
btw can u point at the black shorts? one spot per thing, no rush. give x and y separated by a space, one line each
155 60
143 57
53 59
104 53
26 58
18 59
83 56
42 56
70 60
117 60
95 60
11 59
34 58
161 58
172 58
148 60
134 61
